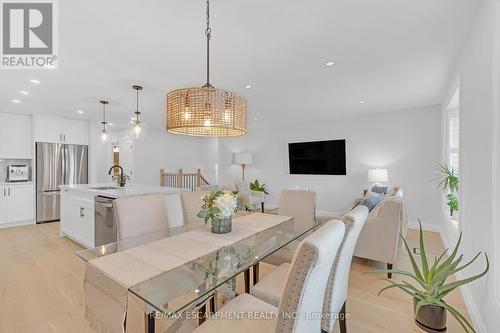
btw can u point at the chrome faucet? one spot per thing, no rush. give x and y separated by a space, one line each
121 182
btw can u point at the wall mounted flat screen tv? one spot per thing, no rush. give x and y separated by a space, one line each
317 158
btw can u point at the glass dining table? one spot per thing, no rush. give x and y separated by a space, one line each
181 289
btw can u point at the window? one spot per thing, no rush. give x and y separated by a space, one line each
453 138
452 142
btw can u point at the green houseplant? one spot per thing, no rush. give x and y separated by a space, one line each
448 182
121 179
432 286
257 187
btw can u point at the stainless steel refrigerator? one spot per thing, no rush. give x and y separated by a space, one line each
57 164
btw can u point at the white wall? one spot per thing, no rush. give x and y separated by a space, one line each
479 167
407 143
146 156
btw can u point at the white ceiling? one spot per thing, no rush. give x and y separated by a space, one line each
393 54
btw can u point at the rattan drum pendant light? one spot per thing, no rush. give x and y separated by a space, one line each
206 111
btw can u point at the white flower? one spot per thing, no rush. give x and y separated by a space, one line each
227 204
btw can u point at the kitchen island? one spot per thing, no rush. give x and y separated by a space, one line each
87 211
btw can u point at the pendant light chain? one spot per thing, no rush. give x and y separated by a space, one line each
208 33
103 122
103 113
137 112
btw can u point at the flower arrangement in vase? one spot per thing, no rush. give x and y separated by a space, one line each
219 207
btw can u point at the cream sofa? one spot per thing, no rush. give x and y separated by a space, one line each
379 240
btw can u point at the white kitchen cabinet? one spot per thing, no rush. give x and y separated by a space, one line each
16 204
20 203
77 217
60 130
83 221
3 205
74 132
15 136
66 211
48 129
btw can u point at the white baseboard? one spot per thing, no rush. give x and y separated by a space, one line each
474 314
16 224
425 226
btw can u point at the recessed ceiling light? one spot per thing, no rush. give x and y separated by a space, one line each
110 124
16 101
24 92
80 112
329 63
35 81
255 119
248 86
362 102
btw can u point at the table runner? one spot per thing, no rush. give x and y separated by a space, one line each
108 278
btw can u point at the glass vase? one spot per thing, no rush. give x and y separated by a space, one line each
222 226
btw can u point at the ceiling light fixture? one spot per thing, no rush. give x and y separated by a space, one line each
137 122
104 130
206 111
16 101
35 81
24 92
80 112
248 86
329 63
362 102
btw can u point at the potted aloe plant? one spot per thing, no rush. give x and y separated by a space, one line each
432 286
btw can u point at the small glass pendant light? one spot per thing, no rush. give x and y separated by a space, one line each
137 128
104 130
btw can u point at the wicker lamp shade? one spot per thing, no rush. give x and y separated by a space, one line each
206 111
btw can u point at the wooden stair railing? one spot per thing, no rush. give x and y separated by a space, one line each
183 180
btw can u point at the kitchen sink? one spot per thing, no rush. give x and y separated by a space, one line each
105 188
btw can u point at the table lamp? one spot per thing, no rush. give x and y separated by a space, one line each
378 176
243 159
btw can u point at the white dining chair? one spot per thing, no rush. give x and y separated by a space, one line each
301 205
191 205
139 215
305 284
270 287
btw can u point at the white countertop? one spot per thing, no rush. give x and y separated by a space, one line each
118 192
16 183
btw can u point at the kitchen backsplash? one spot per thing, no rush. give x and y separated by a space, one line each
6 162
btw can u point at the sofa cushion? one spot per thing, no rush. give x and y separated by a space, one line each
372 199
379 189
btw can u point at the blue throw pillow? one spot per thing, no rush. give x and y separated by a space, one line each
379 189
372 201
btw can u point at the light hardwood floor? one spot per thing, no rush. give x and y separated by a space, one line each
41 287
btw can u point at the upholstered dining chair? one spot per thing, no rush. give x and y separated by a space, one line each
191 205
139 215
270 288
301 205
305 284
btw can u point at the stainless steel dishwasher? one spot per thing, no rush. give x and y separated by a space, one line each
105 224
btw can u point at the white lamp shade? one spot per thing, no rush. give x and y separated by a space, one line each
377 176
243 158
